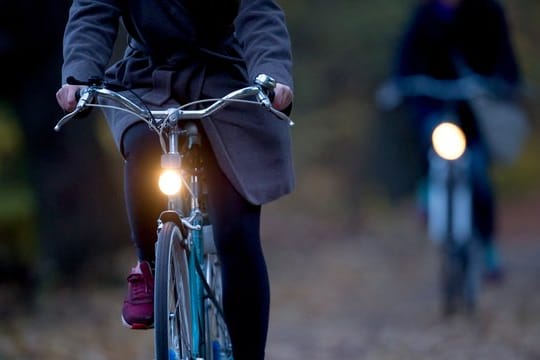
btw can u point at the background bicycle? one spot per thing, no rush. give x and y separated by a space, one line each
455 193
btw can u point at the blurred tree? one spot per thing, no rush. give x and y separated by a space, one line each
78 213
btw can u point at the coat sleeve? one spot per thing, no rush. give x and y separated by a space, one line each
89 38
261 29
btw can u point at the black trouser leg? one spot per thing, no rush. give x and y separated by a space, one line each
245 280
144 201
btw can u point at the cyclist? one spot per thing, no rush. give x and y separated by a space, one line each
179 51
444 39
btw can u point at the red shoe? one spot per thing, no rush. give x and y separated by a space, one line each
138 309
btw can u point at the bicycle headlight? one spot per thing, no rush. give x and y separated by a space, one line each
170 182
448 141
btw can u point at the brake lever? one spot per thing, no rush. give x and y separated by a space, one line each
281 115
84 96
65 119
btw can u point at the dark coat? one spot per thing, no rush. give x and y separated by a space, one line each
187 50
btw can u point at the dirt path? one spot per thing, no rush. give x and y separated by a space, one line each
374 296
371 294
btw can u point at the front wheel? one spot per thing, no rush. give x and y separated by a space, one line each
459 273
172 310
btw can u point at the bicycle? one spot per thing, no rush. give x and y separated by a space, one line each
450 218
448 194
188 313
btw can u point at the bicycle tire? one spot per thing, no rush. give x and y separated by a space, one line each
453 277
471 288
459 273
172 309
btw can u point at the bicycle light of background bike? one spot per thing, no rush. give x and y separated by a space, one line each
448 141
170 179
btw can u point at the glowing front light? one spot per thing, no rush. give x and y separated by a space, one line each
170 182
448 141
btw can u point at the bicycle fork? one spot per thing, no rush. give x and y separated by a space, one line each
449 200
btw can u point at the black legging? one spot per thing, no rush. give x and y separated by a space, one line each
236 224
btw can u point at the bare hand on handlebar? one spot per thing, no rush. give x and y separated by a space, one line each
283 96
66 96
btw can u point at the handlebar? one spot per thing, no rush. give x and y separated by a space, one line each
263 86
392 92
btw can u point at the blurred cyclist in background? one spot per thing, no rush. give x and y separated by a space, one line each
443 40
